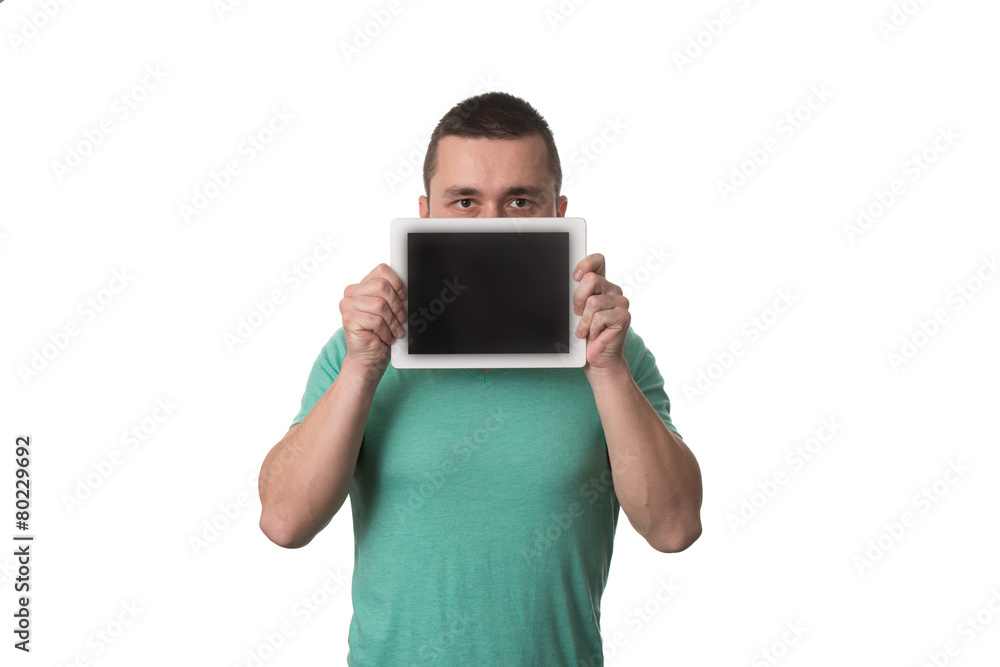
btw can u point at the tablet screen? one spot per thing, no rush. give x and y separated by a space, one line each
488 292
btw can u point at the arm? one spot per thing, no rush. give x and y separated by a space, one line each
655 474
306 477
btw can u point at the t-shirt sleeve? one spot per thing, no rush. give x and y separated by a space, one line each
323 373
642 365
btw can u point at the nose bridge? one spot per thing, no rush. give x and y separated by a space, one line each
491 209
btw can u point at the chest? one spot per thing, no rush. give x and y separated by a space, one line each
524 432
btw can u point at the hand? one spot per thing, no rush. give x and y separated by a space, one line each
373 314
605 318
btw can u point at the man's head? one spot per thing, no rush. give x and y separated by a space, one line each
492 155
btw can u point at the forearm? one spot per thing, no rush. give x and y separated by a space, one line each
656 477
306 477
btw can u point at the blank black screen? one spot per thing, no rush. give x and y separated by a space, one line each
488 292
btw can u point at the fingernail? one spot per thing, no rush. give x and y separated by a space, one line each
401 293
578 274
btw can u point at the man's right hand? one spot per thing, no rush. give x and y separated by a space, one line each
373 314
306 477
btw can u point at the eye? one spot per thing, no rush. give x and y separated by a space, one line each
467 201
525 203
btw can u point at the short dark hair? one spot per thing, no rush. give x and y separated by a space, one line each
492 115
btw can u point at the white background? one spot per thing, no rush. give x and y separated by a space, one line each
662 134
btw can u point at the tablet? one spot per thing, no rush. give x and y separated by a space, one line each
488 292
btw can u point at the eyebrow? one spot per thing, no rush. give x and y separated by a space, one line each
516 191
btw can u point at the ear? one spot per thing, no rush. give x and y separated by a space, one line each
425 207
561 206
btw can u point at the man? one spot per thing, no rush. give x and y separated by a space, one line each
484 502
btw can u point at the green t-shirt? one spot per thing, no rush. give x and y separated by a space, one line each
484 513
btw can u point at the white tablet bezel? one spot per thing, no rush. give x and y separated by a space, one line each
577 228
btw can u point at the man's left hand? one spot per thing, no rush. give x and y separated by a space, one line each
605 318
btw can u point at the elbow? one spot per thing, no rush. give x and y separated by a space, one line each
279 532
677 538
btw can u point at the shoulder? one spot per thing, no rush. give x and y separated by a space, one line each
635 348
333 352
641 360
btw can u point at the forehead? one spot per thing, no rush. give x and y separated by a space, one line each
496 161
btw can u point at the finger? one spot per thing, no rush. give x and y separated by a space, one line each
591 284
584 291
616 318
377 308
385 272
364 321
589 264
376 305
597 303
377 286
